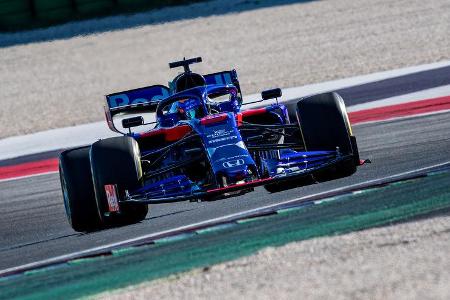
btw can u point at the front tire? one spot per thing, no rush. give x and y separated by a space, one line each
324 125
117 161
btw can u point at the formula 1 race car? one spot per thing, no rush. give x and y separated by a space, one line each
192 141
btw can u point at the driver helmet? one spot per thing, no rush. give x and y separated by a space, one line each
189 109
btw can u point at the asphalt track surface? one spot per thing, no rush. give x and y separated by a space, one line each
33 225
355 95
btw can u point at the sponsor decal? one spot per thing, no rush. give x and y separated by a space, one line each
112 197
244 156
219 133
222 139
138 96
233 163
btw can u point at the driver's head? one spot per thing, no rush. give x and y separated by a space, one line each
190 109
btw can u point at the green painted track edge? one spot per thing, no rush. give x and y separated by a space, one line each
435 196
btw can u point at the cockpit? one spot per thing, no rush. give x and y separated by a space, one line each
187 105
196 103
187 109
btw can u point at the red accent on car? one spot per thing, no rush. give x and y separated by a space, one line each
170 134
252 112
239 119
239 185
213 119
364 161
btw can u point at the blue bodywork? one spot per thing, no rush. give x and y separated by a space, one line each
205 149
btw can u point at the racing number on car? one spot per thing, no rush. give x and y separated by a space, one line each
111 197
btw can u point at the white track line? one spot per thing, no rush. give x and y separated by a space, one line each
403 117
88 133
354 125
53 139
416 96
78 254
296 92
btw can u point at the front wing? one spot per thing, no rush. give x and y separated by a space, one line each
180 188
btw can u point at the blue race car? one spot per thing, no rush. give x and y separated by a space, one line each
193 141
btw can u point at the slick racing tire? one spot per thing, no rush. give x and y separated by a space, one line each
116 161
78 190
324 125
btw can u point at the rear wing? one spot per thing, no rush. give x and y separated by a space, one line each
144 99
225 77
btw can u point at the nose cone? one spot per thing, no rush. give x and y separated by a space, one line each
227 153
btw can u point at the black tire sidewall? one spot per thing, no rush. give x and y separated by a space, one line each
117 161
324 125
78 191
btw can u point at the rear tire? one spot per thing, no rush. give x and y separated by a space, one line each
117 161
78 190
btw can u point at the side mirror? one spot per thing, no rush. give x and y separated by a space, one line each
132 122
271 94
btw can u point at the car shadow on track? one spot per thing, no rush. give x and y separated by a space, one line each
169 214
18 246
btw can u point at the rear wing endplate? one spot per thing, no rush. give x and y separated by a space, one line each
144 99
